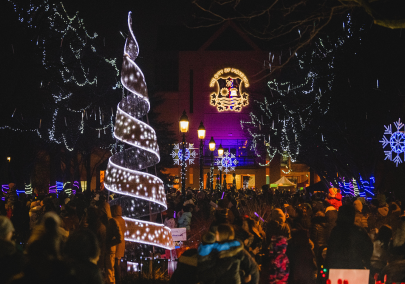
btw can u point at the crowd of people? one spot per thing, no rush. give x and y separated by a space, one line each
249 236
60 239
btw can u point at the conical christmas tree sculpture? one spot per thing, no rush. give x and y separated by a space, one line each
142 193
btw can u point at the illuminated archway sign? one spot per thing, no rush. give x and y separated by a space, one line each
229 94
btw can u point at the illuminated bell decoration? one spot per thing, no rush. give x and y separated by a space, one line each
183 122
229 94
211 144
201 131
124 174
227 163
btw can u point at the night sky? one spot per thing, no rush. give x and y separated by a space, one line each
155 23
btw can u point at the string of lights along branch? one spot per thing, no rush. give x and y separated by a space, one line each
293 104
124 173
73 63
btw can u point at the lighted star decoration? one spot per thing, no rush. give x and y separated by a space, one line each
395 140
190 156
227 163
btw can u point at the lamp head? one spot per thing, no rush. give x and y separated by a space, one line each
184 122
211 144
220 151
201 131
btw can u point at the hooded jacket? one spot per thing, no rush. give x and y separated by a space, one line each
185 220
224 263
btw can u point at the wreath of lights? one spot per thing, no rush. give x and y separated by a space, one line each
396 141
143 193
177 154
227 163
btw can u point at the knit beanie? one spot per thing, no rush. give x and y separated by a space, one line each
383 211
5 227
278 215
358 206
208 238
333 191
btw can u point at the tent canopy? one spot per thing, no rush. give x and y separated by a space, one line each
284 182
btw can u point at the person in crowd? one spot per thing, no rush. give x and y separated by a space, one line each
45 264
169 220
82 252
11 259
334 198
226 261
360 219
380 256
116 212
189 200
95 225
331 215
279 269
113 238
300 252
186 272
349 246
394 215
277 226
318 228
184 220
220 217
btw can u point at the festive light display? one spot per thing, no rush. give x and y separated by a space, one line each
227 162
396 140
355 187
177 154
229 92
292 105
145 192
78 76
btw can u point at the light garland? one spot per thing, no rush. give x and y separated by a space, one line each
124 175
69 66
292 106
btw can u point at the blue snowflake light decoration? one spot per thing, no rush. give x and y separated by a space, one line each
396 141
227 163
190 156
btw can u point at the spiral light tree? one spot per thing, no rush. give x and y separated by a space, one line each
141 193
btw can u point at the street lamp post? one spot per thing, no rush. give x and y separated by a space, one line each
220 154
211 145
183 124
201 136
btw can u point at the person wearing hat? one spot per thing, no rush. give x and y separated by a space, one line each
277 225
360 220
334 197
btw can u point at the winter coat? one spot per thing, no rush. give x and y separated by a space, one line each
11 261
349 247
331 215
318 231
395 272
186 272
116 212
279 269
225 263
302 258
185 220
361 220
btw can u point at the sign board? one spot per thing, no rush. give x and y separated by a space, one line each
357 276
179 234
